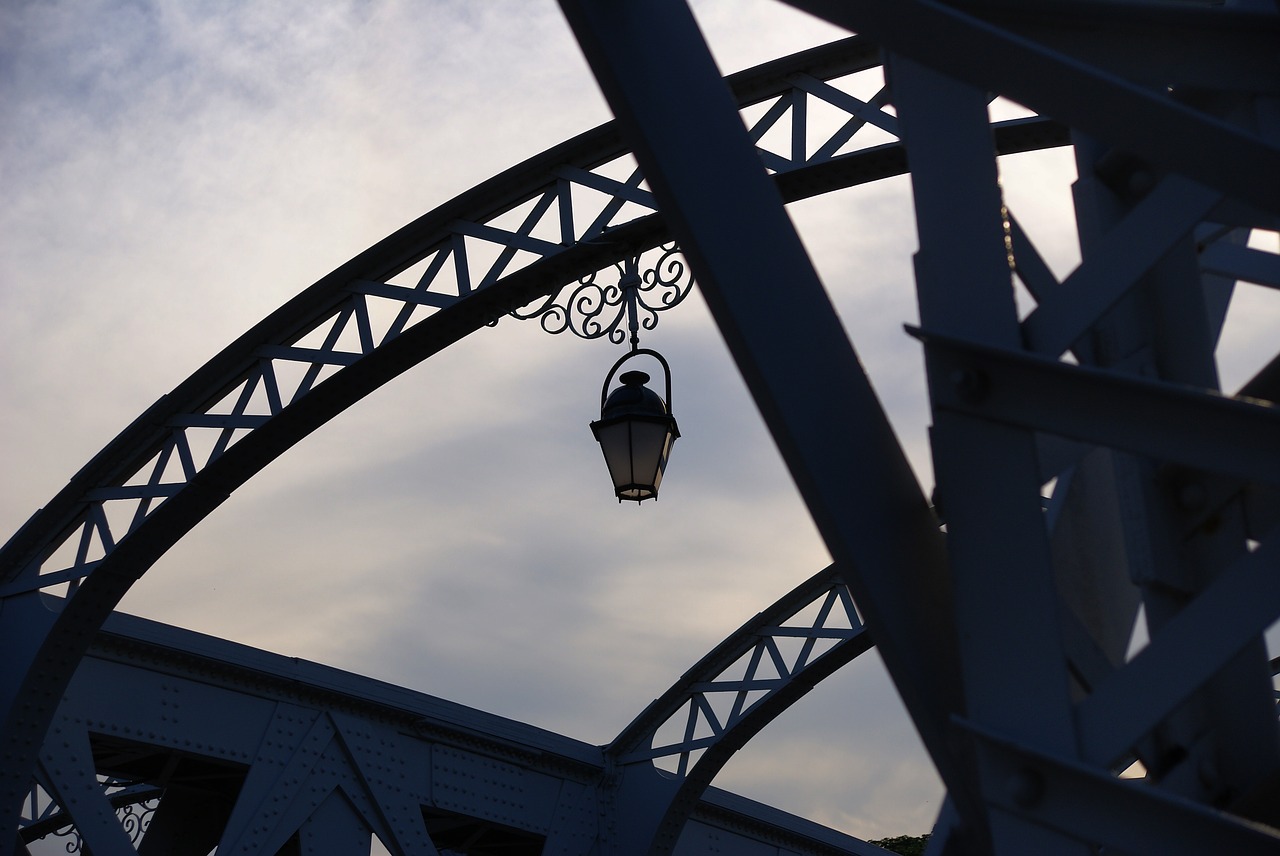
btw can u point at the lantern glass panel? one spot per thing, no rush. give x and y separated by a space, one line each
649 449
615 441
636 450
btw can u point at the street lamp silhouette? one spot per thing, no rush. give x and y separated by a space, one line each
636 430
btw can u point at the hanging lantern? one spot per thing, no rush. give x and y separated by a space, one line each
636 431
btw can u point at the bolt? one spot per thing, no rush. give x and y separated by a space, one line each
1192 496
1207 770
1026 788
971 385
1140 182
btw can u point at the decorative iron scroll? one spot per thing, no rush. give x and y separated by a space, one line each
134 818
135 803
593 309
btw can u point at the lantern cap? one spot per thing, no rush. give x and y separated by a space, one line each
633 398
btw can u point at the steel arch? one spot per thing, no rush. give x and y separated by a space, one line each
969 419
737 689
157 470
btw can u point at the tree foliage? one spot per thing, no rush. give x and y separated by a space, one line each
906 845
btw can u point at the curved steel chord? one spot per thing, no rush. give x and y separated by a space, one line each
184 456
333 337
739 687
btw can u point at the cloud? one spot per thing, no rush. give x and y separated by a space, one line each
176 170
862 770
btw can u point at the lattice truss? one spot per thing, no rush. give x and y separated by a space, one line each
814 628
807 126
811 123
740 686
134 804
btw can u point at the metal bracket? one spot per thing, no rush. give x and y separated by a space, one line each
1093 806
592 310
1194 427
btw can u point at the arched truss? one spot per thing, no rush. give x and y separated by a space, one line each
252 416
736 689
391 307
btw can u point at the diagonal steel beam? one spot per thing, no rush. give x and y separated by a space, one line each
1194 44
1174 208
1173 136
1232 612
793 354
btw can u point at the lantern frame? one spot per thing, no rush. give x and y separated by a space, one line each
624 473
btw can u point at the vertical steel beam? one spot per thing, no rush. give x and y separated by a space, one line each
1013 665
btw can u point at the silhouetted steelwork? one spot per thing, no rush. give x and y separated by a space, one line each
1007 632
174 743
184 456
1007 636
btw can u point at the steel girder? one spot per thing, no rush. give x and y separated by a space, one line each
325 349
143 752
1009 637
170 742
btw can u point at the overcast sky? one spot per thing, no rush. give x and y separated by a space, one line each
174 170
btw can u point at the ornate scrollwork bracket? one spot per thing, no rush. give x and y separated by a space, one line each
592 309
135 803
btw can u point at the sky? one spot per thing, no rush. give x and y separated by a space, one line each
176 169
